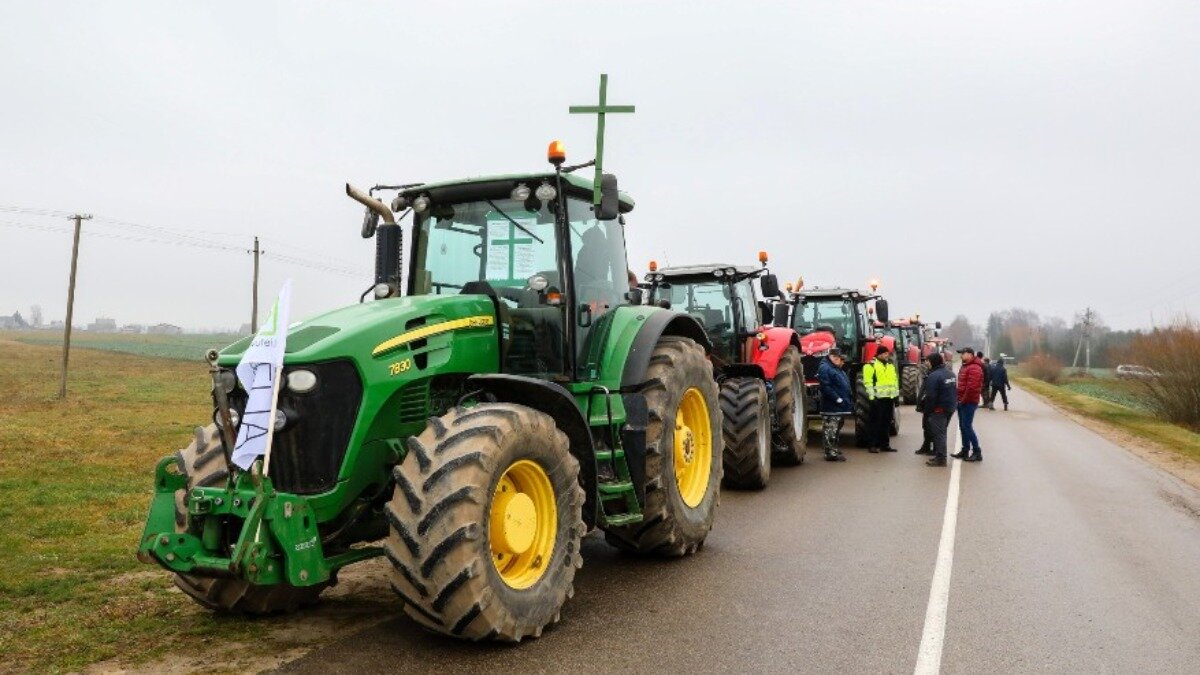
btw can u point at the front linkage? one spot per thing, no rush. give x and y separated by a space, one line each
277 537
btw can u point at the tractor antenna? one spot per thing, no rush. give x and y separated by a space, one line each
600 111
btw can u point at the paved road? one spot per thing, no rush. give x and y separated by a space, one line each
1070 555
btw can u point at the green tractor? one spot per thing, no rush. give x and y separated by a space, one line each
516 396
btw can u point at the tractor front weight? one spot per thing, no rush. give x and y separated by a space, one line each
276 539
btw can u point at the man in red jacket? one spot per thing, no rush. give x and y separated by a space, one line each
970 386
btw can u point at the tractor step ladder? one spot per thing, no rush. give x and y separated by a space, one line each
619 493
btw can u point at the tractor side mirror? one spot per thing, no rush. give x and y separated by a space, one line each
610 207
938 325
764 312
881 310
780 317
370 222
770 285
634 296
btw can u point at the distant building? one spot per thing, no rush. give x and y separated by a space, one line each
164 329
16 321
102 325
133 328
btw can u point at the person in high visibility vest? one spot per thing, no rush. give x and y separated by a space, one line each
883 390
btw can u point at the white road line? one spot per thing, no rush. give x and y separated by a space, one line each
933 638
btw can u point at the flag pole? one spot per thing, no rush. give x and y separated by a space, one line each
275 378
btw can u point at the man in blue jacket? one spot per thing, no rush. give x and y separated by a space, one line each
938 400
1000 383
837 401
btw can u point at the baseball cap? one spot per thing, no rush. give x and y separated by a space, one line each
967 350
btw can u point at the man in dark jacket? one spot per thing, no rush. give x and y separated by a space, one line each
837 401
1000 383
970 386
939 395
987 381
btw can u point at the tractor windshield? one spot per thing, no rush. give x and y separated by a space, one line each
710 302
836 315
517 249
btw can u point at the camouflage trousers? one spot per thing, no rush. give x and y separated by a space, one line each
831 428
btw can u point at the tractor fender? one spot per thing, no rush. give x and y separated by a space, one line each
655 325
552 399
777 341
743 370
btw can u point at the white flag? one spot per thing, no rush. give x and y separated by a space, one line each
257 372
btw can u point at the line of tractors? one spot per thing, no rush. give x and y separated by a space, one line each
496 396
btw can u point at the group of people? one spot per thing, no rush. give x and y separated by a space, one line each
942 394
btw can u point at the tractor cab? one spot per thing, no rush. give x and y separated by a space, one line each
845 315
722 298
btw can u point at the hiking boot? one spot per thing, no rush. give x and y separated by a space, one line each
924 451
961 454
834 457
936 461
976 456
1006 406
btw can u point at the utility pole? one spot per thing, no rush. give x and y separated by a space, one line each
254 301
62 386
1085 342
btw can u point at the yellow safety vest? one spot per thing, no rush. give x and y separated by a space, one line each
881 380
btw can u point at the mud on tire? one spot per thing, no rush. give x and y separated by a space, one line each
746 430
790 440
203 464
439 520
669 526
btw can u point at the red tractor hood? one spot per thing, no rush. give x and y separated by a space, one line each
817 343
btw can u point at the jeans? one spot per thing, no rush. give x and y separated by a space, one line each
966 425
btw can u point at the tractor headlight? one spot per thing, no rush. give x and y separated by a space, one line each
382 291
421 204
520 193
301 381
718 273
227 380
545 192
234 417
399 203
280 420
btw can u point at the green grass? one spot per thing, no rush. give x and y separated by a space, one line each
190 347
75 484
1137 421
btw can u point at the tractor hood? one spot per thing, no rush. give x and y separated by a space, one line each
383 331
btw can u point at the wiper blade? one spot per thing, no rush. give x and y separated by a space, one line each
509 219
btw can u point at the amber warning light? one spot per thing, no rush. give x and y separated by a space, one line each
557 153
653 265
762 257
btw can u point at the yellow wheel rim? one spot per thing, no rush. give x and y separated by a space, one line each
522 524
693 447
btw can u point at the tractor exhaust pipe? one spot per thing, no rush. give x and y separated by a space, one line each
389 239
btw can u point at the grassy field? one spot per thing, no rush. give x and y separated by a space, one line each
1117 404
75 481
184 347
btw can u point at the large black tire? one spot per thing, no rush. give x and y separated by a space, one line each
790 440
202 463
669 526
440 541
910 384
746 430
862 413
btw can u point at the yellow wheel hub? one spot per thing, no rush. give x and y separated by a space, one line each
523 524
693 447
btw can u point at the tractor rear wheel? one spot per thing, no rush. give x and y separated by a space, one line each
791 421
683 453
862 413
202 463
485 523
910 383
746 429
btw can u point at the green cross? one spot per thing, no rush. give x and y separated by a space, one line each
599 111
512 242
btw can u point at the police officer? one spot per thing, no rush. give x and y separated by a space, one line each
939 398
836 402
883 389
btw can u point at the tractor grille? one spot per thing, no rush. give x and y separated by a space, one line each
307 454
414 402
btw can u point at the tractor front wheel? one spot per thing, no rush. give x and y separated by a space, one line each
485 523
791 420
910 383
746 428
862 413
203 464
683 453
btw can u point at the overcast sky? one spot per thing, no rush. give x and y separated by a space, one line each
972 155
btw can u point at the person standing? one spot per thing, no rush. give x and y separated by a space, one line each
1000 384
836 402
970 385
939 395
987 383
883 388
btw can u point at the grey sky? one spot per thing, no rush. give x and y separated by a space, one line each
974 156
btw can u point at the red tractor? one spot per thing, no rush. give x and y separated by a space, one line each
829 317
910 336
758 367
